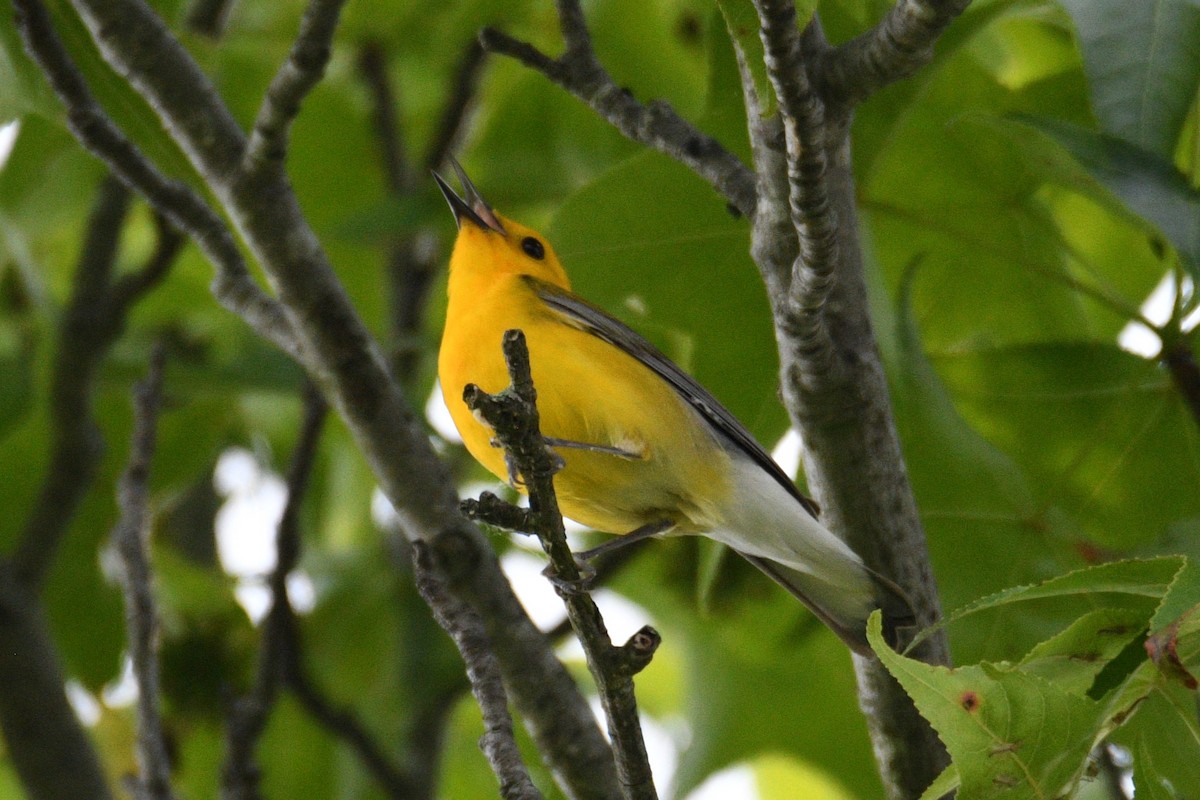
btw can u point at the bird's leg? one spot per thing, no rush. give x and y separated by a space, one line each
567 444
587 572
625 539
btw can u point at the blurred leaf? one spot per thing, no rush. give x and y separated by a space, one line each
1149 186
655 246
782 778
974 498
297 756
119 100
16 390
725 109
992 266
1143 66
1165 726
23 90
1148 784
742 25
1042 404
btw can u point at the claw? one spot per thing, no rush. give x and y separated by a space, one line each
557 462
587 577
514 474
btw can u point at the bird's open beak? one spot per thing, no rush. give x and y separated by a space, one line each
473 206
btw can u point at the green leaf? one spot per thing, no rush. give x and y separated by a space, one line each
1073 658
1148 784
1148 186
1149 578
973 497
16 390
23 90
654 245
1043 404
743 26
118 98
943 784
1011 734
1143 65
782 778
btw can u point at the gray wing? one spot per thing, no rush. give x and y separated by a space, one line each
599 323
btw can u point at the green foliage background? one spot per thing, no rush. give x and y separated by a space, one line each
1047 146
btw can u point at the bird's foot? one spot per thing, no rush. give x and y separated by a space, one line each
581 585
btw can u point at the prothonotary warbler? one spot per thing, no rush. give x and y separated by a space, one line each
645 448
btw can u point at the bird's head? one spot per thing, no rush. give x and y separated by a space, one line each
488 241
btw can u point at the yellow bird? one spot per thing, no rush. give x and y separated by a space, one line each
646 449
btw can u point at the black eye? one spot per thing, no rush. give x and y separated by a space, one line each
533 248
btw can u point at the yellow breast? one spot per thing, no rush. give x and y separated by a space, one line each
589 392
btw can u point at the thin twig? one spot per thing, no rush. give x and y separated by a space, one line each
209 17
773 243
94 318
513 415
410 257
56 747
895 48
656 124
281 652
303 69
233 285
459 620
373 67
127 289
458 101
608 567
1181 361
141 616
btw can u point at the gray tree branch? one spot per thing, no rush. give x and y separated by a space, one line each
141 615
895 48
341 355
499 742
813 220
52 753
232 285
854 464
655 124
303 70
